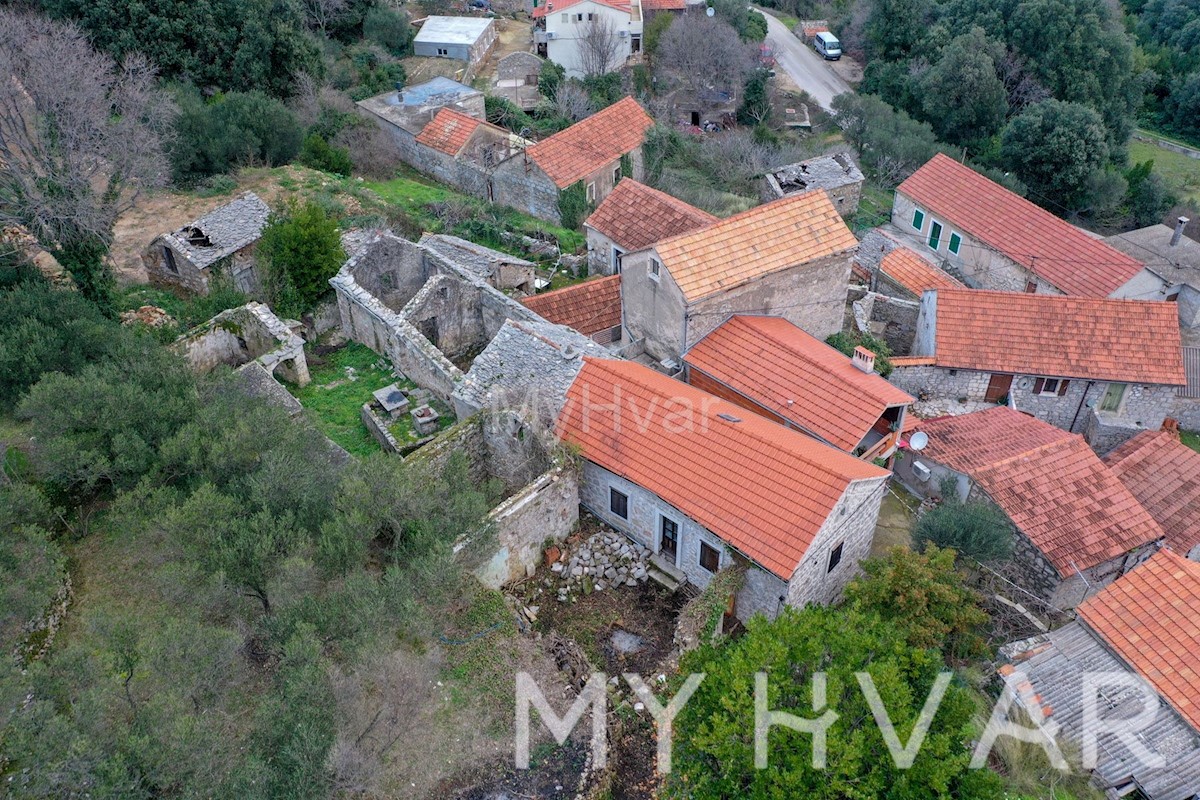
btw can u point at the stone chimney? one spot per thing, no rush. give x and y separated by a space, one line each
1180 224
864 359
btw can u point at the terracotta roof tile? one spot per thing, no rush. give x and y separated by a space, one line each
1151 618
448 131
1049 483
915 273
766 239
1131 341
779 366
763 488
591 144
664 5
1050 247
563 5
636 216
1164 474
589 307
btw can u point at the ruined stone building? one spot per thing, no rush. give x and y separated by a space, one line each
1105 368
837 174
220 242
706 485
1076 527
790 258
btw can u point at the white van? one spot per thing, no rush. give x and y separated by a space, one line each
827 45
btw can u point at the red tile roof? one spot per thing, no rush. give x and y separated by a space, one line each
1051 248
910 270
1053 487
589 307
592 144
764 489
1164 474
1151 618
766 239
664 5
636 216
448 131
563 5
1130 341
785 370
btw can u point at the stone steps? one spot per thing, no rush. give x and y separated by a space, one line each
665 574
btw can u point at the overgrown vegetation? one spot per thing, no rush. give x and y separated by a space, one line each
300 250
976 529
846 341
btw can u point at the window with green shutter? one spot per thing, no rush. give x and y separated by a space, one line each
935 235
955 243
918 218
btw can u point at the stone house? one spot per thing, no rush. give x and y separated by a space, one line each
789 258
773 368
563 29
995 239
593 308
517 76
705 485
501 270
1144 625
1174 258
220 242
896 270
467 39
1104 368
1164 475
590 157
1076 527
633 217
1186 408
837 174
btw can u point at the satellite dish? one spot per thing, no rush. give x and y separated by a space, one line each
711 11
918 441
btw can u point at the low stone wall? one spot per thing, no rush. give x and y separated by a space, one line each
1186 411
378 429
547 509
240 335
892 319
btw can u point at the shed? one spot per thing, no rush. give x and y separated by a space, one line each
464 38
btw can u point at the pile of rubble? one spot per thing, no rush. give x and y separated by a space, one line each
151 316
605 560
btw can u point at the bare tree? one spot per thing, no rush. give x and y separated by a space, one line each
80 135
1022 88
320 13
572 101
704 52
599 46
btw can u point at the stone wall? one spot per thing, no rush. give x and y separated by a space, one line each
1186 411
519 66
852 524
926 382
1144 408
653 310
521 184
600 252
378 429
240 335
889 318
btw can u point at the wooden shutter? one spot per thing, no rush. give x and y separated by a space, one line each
1038 384
1062 388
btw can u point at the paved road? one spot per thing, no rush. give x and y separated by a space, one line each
809 70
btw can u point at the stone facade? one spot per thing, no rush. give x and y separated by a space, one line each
519 66
221 243
602 253
244 334
852 525
810 295
521 184
889 318
837 174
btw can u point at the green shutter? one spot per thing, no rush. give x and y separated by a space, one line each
935 235
955 243
918 218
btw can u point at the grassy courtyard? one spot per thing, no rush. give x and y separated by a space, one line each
1182 174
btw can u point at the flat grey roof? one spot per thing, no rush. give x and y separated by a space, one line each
453 30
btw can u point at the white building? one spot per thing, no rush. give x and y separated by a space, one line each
589 35
464 38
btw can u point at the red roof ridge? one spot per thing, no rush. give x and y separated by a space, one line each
576 152
1069 440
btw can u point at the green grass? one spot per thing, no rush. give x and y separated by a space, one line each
334 401
403 429
187 313
411 193
874 207
1182 174
1191 439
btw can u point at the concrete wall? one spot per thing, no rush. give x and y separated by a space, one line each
565 47
1189 307
653 309
1143 286
519 66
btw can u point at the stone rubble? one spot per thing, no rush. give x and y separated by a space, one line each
606 560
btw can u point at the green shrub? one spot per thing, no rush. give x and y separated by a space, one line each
301 248
234 130
319 154
388 28
974 529
846 341
573 205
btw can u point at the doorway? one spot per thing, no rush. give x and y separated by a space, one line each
998 388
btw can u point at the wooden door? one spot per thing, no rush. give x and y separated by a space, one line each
998 388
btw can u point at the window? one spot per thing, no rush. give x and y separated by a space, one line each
835 557
935 234
1031 286
1050 386
591 192
566 17
618 503
616 259
579 17
955 243
710 557
1114 394
918 218
169 259
591 16
616 174
655 268
668 538
443 51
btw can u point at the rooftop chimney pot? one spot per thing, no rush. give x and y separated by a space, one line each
864 359
1180 224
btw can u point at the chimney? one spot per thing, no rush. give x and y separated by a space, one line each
1180 224
864 359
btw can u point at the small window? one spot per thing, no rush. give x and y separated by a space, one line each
668 540
566 17
616 259
618 503
710 557
1114 394
1050 386
918 219
443 51
835 558
935 235
655 268
591 16
591 192
1030 286
579 17
616 175
955 243
169 260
